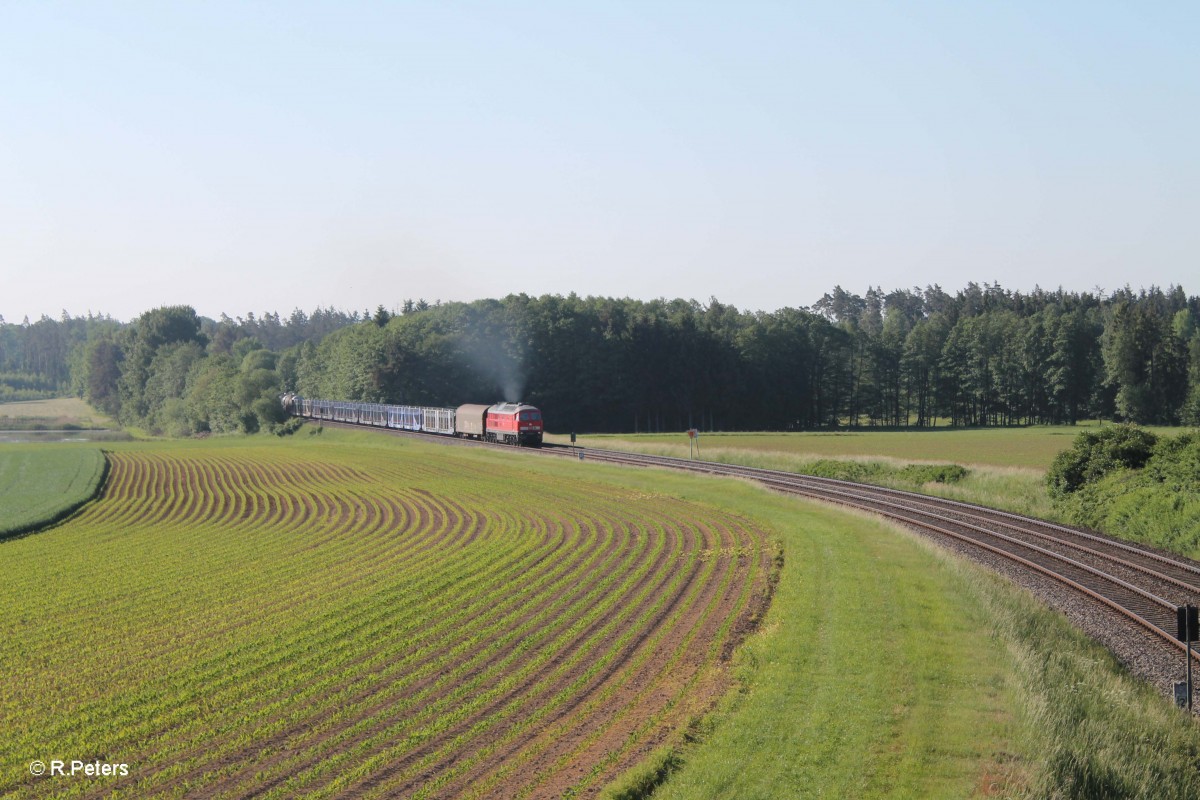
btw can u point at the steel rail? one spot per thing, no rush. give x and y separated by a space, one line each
1015 522
1003 519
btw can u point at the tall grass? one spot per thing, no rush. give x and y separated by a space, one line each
1033 447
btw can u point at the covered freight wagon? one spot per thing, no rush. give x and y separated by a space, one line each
470 421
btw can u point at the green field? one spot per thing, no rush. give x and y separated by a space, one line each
355 613
38 484
361 614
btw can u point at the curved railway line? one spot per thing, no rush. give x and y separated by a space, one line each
1143 587
1121 593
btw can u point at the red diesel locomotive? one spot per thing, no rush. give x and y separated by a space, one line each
514 423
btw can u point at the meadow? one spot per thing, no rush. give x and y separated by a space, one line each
1001 473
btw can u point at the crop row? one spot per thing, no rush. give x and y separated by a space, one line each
306 620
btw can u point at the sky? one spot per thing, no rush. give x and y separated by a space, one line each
251 157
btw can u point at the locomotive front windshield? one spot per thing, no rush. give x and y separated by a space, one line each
531 416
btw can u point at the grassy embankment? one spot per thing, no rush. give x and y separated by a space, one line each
42 484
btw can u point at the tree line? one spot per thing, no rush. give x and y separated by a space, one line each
908 358
983 356
168 371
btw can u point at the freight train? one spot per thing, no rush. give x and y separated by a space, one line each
503 423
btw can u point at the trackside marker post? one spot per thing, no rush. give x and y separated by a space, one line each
1187 619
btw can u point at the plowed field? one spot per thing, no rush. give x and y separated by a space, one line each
276 621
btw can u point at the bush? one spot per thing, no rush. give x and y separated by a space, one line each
289 427
1176 463
173 418
1095 454
933 473
1156 502
269 411
861 471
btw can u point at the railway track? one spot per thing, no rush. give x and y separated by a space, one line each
1143 586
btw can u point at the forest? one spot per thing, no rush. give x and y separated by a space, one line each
907 358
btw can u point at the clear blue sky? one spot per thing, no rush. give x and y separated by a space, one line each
254 156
